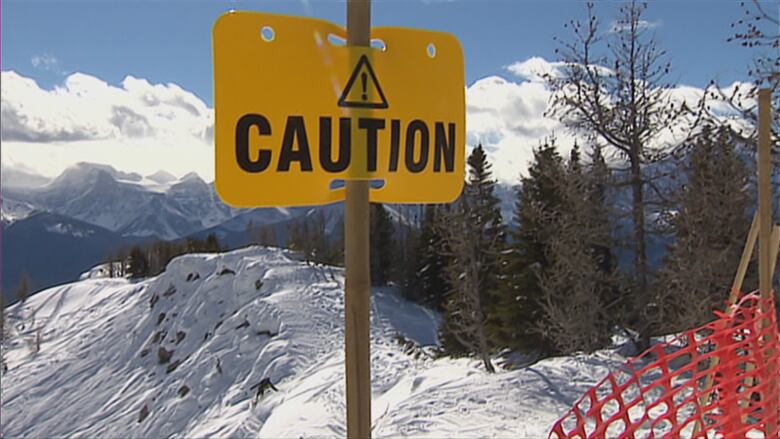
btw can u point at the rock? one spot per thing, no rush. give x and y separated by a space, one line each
183 391
169 292
226 271
264 385
160 318
143 414
193 277
144 352
159 336
164 355
171 367
243 325
153 300
258 284
180 336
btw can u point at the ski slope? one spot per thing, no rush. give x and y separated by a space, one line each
229 321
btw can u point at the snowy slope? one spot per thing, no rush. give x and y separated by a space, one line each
274 318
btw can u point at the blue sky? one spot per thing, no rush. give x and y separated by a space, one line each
169 41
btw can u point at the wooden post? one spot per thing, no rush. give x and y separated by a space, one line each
775 249
760 229
764 193
765 221
358 277
747 252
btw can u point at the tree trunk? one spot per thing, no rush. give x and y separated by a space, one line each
488 364
640 248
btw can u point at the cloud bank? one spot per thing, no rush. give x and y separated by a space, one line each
142 127
136 126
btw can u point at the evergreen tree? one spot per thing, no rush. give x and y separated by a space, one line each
23 288
408 260
578 281
431 282
382 245
473 239
464 329
139 262
710 227
519 313
485 214
212 244
2 322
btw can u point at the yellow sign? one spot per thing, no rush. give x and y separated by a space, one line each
298 112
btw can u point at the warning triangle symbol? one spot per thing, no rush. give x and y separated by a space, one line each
362 89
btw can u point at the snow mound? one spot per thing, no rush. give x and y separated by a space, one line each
180 355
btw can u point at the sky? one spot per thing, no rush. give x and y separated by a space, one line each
57 50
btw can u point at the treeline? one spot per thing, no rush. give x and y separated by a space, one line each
143 260
549 282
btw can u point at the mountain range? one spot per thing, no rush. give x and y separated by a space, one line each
55 229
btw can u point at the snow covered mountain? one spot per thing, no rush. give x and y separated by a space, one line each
178 356
128 203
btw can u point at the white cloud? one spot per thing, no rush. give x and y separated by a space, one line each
508 119
534 68
621 26
143 127
45 62
135 126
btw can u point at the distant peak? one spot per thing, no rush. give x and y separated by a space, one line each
162 177
192 176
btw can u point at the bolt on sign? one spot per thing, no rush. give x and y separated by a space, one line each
298 112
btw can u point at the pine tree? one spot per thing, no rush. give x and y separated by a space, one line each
139 262
431 283
382 245
710 226
486 216
473 239
3 330
464 329
519 313
578 283
23 288
212 244
408 247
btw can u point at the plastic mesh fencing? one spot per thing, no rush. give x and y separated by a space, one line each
718 380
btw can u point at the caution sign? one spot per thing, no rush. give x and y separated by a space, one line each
298 112
368 82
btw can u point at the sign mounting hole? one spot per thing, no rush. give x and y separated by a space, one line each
431 50
337 40
267 34
376 43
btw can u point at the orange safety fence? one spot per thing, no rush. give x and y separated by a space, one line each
718 380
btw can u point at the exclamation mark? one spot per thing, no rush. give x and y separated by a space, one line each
363 78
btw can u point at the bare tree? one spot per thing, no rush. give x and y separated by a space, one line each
758 30
264 234
613 87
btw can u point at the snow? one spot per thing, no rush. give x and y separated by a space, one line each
276 318
12 210
68 229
